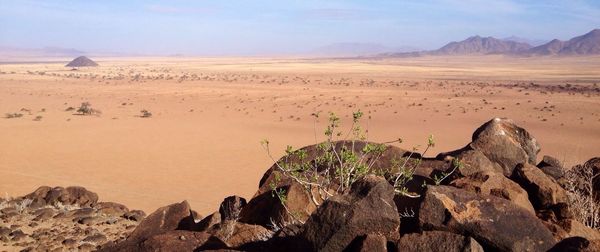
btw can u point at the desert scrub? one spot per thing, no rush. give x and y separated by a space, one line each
585 204
343 158
13 115
86 109
145 113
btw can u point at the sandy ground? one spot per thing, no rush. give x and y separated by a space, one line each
210 114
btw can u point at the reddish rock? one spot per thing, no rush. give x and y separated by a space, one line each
543 191
167 218
495 223
496 184
339 220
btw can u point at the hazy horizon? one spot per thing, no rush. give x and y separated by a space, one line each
280 27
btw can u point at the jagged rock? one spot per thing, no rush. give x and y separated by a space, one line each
505 143
576 244
495 223
543 191
491 183
339 220
167 218
230 208
438 241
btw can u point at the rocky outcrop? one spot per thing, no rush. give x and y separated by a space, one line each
51 219
487 183
496 223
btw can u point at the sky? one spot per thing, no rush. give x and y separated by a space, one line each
262 27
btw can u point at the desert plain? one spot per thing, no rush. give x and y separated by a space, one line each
209 115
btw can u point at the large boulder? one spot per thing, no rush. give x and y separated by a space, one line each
491 183
367 208
172 217
505 143
438 241
544 192
496 223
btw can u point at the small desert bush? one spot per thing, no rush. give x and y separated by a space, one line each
145 113
585 204
86 109
13 115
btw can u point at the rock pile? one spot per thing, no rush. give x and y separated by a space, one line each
498 199
57 219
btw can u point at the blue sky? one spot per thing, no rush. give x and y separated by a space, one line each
233 27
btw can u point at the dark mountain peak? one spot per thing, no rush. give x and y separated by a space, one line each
82 61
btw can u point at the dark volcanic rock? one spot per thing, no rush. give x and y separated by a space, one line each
505 143
167 218
543 191
438 241
495 223
496 184
339 220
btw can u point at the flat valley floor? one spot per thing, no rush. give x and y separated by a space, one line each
209 116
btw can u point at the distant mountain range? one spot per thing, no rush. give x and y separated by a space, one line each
587 44
356 49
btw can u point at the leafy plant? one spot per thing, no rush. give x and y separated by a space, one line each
342 159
